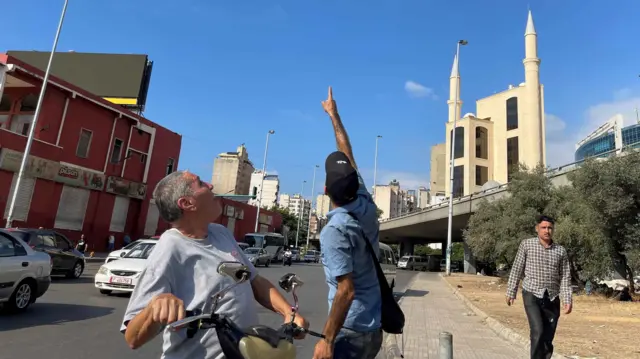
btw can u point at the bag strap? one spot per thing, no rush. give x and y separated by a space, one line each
372 252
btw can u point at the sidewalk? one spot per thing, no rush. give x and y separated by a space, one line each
430 308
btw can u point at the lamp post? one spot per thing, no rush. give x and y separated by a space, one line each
264 169
375 168
452 159
300 214
32 127
313 188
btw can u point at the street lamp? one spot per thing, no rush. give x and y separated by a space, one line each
264 169
32 127
375 167
313 188
301 213
452 159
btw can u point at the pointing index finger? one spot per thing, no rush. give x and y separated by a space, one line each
330 96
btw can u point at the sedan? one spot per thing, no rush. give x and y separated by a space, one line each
258 256
122 275
25 274
119 253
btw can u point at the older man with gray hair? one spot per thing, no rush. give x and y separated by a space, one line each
180 274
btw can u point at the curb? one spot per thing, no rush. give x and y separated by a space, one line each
390 348
504 332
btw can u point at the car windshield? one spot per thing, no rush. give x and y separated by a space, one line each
404 259
252 250
140 251
130 245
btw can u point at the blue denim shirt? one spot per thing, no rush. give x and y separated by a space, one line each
344 251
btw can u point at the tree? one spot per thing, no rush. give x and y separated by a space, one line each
496 228
291 221
379 212
610 192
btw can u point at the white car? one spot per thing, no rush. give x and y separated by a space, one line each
122 275
25 274
117 254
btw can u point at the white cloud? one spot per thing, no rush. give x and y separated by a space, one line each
408 180
417 90
561 140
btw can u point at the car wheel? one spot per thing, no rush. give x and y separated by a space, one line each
22 297
267 263
105 291
76 271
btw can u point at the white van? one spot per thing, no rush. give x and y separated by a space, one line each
388 262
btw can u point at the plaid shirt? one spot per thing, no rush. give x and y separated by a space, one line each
543 269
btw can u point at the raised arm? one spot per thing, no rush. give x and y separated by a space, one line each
342 139
516 274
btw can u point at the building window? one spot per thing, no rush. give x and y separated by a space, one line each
458 181
29 103
459 150
143 158
512 113
482 175
170 166
513 157
117 150
83 143
5 103
482 143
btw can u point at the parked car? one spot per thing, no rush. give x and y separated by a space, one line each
455 266
312 256
66 259
243 246
122 275
295 255
25 274
119 253
413 263
258 256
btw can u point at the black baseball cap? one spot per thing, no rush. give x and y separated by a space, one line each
342 182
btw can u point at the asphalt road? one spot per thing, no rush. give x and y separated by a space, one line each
73 321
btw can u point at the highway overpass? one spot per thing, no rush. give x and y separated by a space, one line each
429 225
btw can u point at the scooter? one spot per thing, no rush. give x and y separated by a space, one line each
287 260
254 342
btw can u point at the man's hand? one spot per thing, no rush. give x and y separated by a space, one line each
299 321
323 350
166 309
568 308
329 105
510 300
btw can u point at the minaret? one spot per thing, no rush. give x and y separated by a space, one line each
454 82
532 126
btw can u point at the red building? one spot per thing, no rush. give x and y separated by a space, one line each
240 218
93 164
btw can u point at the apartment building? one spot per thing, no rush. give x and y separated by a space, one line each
232 172
266 190
323 205
424 196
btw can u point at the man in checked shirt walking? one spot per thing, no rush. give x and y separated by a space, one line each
547 277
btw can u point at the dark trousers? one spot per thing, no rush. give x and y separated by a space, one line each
357 345
543 315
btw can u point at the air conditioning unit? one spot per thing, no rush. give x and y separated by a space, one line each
229 211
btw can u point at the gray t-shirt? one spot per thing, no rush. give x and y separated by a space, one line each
186 268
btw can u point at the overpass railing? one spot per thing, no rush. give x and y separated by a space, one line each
551 172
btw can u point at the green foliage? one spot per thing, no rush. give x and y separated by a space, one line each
597 217
291 221
379 212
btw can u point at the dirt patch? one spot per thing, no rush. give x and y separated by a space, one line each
597 327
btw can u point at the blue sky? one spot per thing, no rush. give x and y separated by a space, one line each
225 72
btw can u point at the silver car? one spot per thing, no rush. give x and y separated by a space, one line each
25 274
258 256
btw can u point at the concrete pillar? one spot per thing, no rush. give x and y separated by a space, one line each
406 248
469 260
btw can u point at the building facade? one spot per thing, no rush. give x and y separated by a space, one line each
507 129
609 138
240 219
323 205
424 197
232 172
393 201
438 168
266 191
92 167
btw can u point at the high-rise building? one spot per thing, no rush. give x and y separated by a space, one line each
266 191
232 172
393 201
424 196
296 205
323 205
507 129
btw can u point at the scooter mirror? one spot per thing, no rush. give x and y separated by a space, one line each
288 280
234 270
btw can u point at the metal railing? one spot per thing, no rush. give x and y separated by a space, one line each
551 172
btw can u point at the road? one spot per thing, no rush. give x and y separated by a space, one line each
73 321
